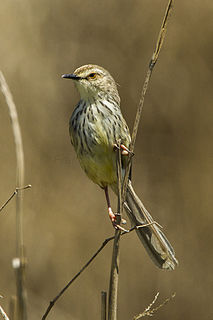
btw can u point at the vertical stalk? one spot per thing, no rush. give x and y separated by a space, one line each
103 305
113 287
19 261
114 275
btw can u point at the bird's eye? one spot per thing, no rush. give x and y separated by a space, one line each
92 75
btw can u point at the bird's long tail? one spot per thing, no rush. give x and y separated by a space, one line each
153 239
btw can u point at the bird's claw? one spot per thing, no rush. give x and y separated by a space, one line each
118 227
124 150
113 217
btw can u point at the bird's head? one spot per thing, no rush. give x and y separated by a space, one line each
93 81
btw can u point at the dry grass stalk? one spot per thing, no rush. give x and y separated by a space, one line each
3 314
106 241
113 290
103 305
20 267
12 195
114 274
13 308
56 298
152 63
150 312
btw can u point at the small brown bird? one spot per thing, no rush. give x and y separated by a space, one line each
96 126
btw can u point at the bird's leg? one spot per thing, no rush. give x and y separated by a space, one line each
112 215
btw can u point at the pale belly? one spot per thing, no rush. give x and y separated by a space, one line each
101 166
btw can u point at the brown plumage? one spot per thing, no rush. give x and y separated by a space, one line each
95 127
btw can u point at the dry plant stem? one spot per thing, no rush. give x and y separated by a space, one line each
152 63
20 283
19 157
13 194
114 274
150 312
3 314
52 302
103 305
13 308
147 311
106 241
113 287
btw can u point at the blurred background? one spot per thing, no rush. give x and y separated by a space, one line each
65 216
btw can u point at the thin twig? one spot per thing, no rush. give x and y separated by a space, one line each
152 63
13 308
3 313
20 285
119 181
52 302
112 315
150 312
13 194
106 241
114 274
103 305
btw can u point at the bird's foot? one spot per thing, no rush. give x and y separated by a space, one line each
124 150
114 217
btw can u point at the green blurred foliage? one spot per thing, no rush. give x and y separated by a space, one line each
65 217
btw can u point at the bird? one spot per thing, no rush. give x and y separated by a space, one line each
95 127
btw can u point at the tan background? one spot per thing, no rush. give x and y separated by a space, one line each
65 218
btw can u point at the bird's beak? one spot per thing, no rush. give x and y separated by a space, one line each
71 76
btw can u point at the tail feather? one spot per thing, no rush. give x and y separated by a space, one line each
153 239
